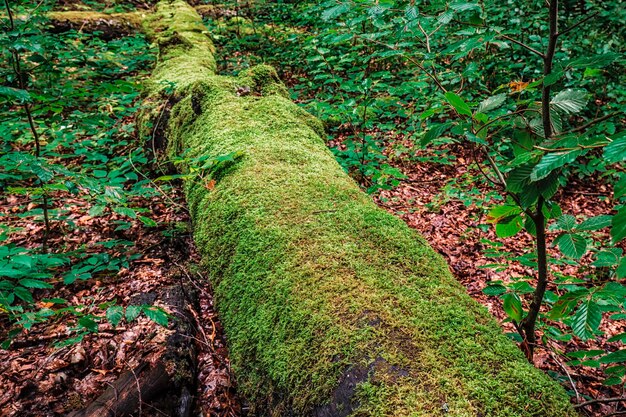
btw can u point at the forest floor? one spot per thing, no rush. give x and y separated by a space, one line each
432 201
41 379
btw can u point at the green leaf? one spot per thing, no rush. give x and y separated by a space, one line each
552 161
34 283
475 139
434 132
566 222
519 177
612 380
114 315
132 312
572 245
595 223
608 258
510 228
495 289
335 11
594 61
89 324
411 13
582 354
614 357
618 338
552 78
156 314
499 213
148 221
23 294
586 320
457 102
618 225
21 96
619 189
492 103
126 211
461 6
616 150
566 302
569 101
513 307
445 17
96 211
621 268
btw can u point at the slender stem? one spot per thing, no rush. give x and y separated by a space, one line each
569 377
364 134
12 24
574 26
543 148
547 68
482 171
495 168
593 122
523 45
505 116
529 322
419 25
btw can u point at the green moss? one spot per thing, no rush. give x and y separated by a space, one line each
75 17
264 80
312 279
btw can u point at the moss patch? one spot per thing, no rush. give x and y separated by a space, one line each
312 280
78 18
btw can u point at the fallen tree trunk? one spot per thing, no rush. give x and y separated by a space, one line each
111 25
331 306
116 25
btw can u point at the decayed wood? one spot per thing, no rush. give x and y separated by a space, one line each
134 387
166 381
116 25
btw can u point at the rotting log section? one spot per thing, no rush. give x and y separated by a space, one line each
331 306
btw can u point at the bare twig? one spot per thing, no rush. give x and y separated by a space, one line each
615 413
419 25
592 122
522 44
574 26
600 401
569 377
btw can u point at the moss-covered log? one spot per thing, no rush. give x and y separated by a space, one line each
111 25
331 306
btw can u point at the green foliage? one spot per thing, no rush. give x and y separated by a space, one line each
85 158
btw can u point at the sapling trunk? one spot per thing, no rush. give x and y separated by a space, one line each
528 324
